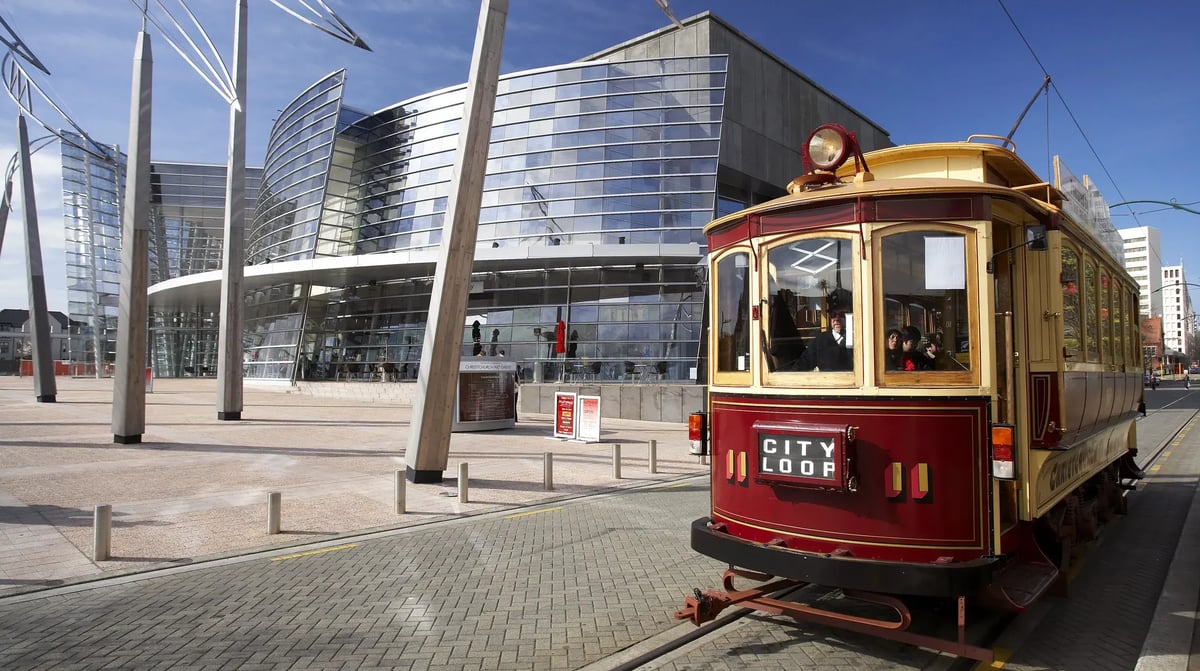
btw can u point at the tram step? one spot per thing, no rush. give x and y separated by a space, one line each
1021 583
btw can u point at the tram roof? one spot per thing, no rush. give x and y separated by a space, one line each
893 160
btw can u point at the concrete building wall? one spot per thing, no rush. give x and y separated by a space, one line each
760 141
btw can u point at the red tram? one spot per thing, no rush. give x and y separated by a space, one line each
923 380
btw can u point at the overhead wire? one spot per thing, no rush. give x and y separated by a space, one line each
1074 121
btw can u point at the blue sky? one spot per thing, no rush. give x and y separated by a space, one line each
931 70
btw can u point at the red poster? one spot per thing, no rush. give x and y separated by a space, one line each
564 415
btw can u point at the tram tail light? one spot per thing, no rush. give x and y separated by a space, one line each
698 433
1004 462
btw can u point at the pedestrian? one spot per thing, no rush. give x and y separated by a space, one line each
494 343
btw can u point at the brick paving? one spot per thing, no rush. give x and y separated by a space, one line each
486 585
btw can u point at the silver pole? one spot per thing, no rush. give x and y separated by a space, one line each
429 437
653 456
616 459
233 253
45 389
548 470
129 376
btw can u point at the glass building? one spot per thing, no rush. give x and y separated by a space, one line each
186 229
601 174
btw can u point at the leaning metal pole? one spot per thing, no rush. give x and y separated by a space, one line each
44 386
129 378
429 438
233 255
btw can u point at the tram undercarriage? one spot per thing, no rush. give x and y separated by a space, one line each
1046 551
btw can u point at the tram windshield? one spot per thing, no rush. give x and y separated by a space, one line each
810 316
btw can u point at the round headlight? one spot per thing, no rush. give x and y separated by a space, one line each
827 148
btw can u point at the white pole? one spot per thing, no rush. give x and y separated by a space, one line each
274 508
102 533
399 489
462 482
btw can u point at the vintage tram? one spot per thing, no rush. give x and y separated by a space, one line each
924 374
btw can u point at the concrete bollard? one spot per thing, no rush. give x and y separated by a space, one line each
653 456
274 508
462 482
617 461
548 470
399 489
102 533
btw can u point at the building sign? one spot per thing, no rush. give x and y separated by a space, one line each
564 414
588 427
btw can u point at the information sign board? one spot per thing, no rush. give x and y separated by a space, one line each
588 426
564 414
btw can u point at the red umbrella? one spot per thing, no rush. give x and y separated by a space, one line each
560 337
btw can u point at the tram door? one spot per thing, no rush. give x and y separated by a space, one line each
1005 408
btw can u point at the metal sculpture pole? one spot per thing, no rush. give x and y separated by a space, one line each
129 379
233 255
429 439
44 386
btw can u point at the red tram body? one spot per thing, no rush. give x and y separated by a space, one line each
923 380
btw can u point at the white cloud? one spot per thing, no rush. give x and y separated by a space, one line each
47 177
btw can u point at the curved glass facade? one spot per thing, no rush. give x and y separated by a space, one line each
616 154
297 167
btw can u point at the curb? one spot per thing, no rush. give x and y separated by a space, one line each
1169 641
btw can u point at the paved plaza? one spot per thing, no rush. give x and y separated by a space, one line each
197 487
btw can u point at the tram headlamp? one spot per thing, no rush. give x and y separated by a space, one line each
828 147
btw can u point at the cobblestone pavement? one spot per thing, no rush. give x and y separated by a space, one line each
196 487
564 584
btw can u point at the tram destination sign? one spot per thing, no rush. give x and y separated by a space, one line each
802 457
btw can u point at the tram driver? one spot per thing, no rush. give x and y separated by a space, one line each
829 350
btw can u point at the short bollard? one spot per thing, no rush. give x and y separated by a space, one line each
653 456
617 461
548 470
399 489
102 533
274 507
462 482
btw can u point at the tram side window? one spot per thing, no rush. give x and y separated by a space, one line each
810 316
925 301
1091 315
1072 344
733 313
1106 316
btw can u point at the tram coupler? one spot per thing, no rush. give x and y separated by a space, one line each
705 606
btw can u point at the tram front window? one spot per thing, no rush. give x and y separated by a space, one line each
925 302
810 316
733 315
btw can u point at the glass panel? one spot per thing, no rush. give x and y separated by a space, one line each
1072 344
1106 321
927 320
811 314
733 313
1091 303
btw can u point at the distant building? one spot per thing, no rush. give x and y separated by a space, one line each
15 338
1143 260
1178 317
187 219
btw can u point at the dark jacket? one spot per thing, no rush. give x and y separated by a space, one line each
824 353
